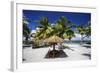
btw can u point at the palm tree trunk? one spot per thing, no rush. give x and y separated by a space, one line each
53 55
26 40
81 39
69 39
53 46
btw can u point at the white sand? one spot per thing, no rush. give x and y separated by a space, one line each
35 55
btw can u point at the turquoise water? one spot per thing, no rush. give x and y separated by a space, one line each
76 42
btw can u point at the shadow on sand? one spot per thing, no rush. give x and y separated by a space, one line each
86 54
56 54
65 47
87 46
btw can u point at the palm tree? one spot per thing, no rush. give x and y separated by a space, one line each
44 29
63 28
88 29
42 32
69 34
62 24
26 30
81 30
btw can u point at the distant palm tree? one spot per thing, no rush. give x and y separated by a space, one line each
81 30
26 30
69 34
84 30
88 29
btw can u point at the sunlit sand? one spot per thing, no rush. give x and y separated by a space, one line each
74 52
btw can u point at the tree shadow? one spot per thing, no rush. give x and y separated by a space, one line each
86 54
87 46
23 59
26 46
56 54
65 47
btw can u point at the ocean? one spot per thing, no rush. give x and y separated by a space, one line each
77 42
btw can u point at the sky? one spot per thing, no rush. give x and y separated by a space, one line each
74 17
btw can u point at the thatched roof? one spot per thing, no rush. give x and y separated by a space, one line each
54 39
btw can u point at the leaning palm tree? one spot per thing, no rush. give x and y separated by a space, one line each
42 32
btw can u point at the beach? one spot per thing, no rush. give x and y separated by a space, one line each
56 36
73 52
